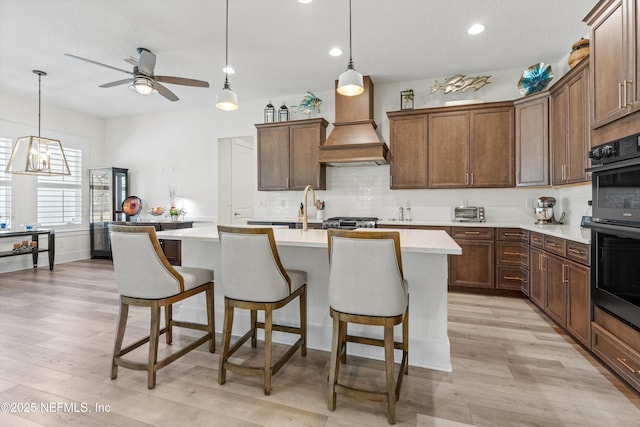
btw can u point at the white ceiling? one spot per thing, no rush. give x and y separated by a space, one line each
278 47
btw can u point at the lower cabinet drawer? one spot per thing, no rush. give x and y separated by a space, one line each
616 354
515 278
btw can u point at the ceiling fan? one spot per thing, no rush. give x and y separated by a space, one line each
144 81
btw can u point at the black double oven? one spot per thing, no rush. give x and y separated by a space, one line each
615 228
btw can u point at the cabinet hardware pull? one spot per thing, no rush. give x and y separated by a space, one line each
514 234
471 178
565 273
466 178
514 253
576 251
624 94
519 279
624 362
620 96
317 182
287 182
474 233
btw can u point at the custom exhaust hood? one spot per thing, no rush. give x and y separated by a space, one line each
354 140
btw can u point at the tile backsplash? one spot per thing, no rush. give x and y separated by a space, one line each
364 191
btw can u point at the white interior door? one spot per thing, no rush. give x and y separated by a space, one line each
242 182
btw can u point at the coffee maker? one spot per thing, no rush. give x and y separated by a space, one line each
544 211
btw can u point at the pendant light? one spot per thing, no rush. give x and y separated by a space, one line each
350 82
226 99
41 156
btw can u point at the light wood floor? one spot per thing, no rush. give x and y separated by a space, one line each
511 367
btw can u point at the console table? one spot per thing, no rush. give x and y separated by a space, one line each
35 237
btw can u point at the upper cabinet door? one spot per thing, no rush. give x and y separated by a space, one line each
532 140
273 158
304 149
492 148
609 51
408 152
448 150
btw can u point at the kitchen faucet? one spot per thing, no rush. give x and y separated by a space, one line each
305 225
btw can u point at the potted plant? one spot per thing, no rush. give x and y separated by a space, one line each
406 99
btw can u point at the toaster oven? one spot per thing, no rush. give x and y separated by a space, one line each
468 214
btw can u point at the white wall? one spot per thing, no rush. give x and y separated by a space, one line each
19 117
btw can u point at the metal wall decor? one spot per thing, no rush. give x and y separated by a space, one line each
406 99
461 83
283 113
269 113
310 104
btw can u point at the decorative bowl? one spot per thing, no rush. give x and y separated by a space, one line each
156 211
535 79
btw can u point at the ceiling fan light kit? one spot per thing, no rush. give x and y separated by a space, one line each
226 99
38 152
143 85
350 82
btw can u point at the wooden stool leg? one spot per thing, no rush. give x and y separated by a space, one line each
389 368
254 320
303 321
268 323
405 338
117 347
154 332
211 318
334 363
226 340
168 322
343 342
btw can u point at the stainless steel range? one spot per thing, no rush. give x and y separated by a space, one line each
349 222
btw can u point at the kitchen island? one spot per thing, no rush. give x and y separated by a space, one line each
424 258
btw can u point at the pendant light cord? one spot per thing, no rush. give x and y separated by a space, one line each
226 48
350 65
39 102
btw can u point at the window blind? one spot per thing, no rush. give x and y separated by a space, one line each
60 197
5 178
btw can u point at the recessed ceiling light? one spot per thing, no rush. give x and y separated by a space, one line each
336 51
475 29
304 1
229 70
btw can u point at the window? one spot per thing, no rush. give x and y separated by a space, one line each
5 179
60 197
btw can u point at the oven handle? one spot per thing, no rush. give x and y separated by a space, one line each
613 165
612 228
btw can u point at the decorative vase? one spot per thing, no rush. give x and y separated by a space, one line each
579 50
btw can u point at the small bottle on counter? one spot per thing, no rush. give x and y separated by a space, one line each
301 212
407 210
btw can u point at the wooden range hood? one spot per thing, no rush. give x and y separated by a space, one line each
354 140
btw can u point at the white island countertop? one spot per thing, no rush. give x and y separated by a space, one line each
419 241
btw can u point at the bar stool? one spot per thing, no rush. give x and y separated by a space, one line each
367 287
253 278
145 278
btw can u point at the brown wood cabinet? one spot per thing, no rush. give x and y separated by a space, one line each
512 259
408 162
532 140
475 268
617 344
560 283
570 126
288 154
472 147
614 52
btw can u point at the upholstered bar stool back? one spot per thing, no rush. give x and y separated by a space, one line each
145 278
366 286
253 278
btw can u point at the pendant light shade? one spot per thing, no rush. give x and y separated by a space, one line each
350 82
226 99
35 155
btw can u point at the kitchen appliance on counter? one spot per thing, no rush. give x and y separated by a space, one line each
468 214
615 228
544 211
349 222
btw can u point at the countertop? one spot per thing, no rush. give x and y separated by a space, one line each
569 232
418 241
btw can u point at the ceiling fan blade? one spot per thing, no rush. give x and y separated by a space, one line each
98 63
182 81
131 60
162 90
116 83
147 61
